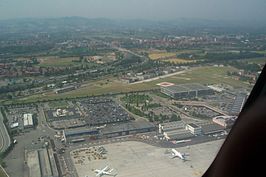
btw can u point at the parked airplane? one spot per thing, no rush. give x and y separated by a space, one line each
180 155
104 171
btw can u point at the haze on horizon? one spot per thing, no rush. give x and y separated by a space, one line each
226 10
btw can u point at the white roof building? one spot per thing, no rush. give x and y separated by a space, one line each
14 125
28 121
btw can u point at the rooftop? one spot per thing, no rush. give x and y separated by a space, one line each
28 121
193 125
187 87
128 126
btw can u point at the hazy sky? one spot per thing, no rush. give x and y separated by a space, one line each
137 9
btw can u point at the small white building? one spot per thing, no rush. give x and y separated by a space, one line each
27 120
14 125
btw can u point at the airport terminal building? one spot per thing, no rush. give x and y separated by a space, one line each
109 131
193 90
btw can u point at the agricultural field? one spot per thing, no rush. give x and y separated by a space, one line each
161 55
179 60
169 57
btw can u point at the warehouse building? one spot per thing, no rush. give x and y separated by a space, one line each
174 131
41 163
27 121
238 104
170 126
194 128
225 121
193 90
210 128
180 134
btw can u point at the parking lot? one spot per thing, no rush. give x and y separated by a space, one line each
139 159
102 111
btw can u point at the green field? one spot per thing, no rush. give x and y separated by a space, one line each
203 75
54 61
255 60
58 104
261 52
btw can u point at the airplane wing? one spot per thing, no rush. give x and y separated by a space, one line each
108 172
101 172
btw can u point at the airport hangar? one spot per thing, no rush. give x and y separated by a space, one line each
192 90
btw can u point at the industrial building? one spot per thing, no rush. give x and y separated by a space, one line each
174 131
210 128
166 127
179 130
193 90
27 121
225 121
238 104
41 163
177 134
194 128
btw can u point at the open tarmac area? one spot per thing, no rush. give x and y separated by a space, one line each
136 159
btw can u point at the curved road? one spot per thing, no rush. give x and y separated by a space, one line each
4 136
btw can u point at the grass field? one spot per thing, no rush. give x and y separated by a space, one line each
204 75
261 52
57 61
58 104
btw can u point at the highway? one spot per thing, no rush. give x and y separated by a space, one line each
4 137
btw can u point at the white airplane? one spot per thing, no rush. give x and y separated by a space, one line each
104 171
175 153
